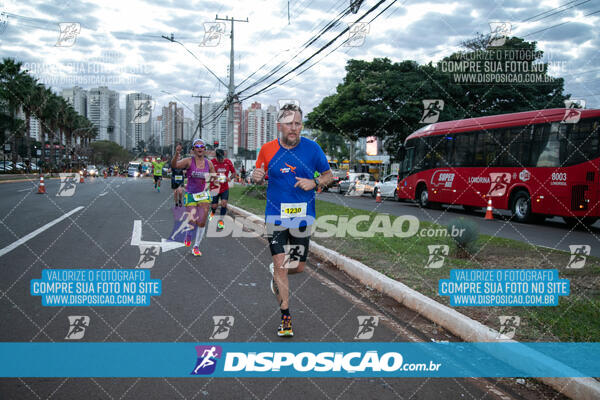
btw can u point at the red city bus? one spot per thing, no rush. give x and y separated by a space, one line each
536 163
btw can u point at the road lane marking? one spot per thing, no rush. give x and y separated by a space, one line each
136 239
37 232
24 190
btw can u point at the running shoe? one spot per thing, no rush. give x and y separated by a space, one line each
158 188
211 215
274 287
285 328
187 241
220 225
196 251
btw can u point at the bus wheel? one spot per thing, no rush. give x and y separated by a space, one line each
423 197
396 197
521 206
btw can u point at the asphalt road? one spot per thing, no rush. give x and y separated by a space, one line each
552 233
231 279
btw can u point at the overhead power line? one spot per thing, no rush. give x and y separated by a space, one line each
314 54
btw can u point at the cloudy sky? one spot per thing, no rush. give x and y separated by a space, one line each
119 44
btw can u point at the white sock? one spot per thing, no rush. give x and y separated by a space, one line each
199 236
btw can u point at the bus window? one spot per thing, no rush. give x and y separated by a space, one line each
582 142
406 167
546 147
463 150
486 150
519 140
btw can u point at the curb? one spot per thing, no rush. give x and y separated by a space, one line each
450 319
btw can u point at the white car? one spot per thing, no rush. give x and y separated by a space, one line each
92 170
388 186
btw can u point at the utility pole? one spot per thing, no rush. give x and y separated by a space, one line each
200 116
230 92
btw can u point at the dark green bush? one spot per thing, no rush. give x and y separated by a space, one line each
464 232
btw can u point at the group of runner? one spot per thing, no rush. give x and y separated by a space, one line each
207 183
294 167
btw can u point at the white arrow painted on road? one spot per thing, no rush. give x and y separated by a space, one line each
103 194
136 239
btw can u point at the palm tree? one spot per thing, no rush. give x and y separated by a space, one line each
11 78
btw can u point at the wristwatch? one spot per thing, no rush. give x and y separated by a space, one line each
316 181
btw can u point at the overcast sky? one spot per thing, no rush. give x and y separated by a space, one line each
120 44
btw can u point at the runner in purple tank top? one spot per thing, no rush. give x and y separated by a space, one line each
197 194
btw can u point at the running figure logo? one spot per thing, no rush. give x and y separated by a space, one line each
357 33
207 359
508 326
212 34
68 34
499 31
67 185
77 325
143 110
182 225
223 324
572 112
148 255
431 111
579 253
293 252
437 253
366 326
499 183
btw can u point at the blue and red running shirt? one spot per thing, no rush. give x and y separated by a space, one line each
287 205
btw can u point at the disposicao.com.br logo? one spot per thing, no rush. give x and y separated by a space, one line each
285 363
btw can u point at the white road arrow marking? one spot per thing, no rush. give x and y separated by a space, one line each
136 239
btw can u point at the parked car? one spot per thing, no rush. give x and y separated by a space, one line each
6 166
388 186
92 170
366 182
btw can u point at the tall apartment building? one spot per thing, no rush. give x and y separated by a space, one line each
102 108
237 126
157 130
77 98
138 118
271 123
188 128
123 127
259 127
172 120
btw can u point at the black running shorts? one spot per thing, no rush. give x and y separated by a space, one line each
297 238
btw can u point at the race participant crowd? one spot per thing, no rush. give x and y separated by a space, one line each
292 167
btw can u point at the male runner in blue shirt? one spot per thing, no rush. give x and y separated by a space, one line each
290 164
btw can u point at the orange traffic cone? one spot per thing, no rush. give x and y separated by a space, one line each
488 211
378 197
105 174
42 187
81 178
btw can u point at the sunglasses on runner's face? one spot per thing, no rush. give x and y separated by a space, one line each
199 146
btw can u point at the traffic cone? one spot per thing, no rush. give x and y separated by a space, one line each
488 211
105 174
81 178
378 197
42 187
